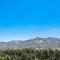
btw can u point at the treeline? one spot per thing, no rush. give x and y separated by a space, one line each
30 54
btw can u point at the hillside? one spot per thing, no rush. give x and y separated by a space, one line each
32 43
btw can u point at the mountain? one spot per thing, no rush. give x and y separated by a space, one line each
38 42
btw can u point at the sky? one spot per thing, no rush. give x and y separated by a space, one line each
25 19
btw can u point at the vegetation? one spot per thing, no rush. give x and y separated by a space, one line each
29 54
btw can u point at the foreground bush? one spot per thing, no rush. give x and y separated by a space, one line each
30 54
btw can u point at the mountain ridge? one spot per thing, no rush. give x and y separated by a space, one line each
37 42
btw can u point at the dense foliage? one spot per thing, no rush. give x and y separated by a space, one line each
29 54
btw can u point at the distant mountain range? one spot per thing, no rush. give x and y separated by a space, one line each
38 42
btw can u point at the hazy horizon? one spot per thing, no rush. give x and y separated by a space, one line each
23 19
28 39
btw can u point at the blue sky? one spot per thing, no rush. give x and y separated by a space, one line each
24 19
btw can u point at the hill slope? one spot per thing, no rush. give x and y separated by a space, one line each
32 43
